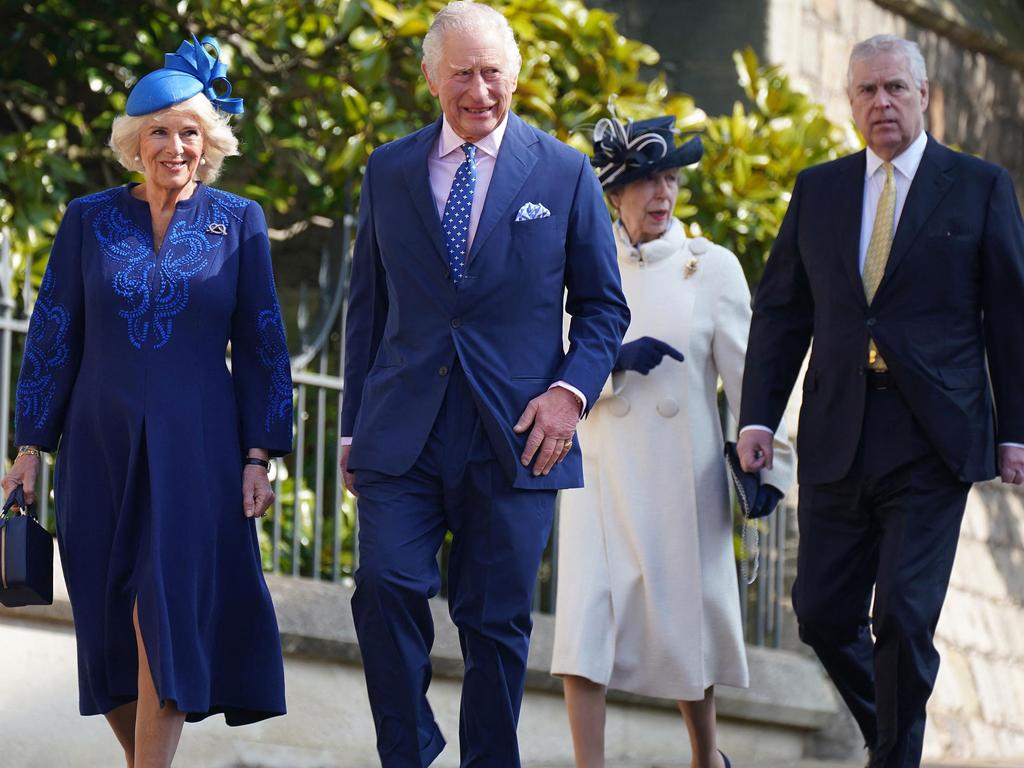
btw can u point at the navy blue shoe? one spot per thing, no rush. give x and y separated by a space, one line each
726 759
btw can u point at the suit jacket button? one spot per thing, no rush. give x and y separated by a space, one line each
871 322
618 405
442 371
456 322
668 407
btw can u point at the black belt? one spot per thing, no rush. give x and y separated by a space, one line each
879 380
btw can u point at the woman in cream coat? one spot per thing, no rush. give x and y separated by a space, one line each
647 588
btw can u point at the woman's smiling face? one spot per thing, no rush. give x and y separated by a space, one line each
170 149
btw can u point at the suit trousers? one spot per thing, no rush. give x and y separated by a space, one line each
891 525
498 538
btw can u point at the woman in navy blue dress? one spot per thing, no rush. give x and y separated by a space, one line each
163 451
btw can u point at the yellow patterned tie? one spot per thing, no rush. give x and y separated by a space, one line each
878 252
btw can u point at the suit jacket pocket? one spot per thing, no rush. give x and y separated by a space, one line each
962 378
549 226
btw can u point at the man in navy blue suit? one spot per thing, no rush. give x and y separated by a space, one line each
905 262
460 400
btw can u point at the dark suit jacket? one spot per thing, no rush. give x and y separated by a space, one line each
948 317
407 322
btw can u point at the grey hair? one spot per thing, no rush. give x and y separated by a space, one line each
219 141
467 16
873 46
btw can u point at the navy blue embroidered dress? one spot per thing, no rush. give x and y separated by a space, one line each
125 367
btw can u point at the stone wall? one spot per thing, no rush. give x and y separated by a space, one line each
978 705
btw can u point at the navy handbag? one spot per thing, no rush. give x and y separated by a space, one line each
26 555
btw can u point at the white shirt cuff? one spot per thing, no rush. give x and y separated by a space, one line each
1012 445
571 388
346 441
758 427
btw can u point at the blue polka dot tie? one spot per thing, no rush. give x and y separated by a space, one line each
456 213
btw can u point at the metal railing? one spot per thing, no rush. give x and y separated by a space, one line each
313 528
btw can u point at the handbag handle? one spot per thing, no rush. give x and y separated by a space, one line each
17 499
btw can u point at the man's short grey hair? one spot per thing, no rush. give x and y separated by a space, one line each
467 16
873 46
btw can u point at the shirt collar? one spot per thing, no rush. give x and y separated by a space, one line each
450 141
907 162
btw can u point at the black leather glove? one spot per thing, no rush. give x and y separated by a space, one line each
767 499
644 354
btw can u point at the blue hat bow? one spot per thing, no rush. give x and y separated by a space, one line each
188 71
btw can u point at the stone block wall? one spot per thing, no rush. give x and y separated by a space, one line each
977 709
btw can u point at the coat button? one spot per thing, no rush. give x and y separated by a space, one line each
871 322
456 322
442 371
618 405
668 407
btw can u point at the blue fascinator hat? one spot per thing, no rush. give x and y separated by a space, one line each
625 152
188 71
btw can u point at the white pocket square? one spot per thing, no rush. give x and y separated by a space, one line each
531 211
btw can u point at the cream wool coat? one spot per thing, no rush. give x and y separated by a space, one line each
647 588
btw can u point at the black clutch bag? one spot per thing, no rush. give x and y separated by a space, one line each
747 484
26 556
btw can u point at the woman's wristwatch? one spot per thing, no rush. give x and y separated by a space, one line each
256 461
28 450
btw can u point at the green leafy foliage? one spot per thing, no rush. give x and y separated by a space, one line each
325 81
741 189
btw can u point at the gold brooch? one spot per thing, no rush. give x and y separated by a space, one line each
690 268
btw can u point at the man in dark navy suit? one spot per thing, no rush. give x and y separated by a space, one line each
905 263
460 400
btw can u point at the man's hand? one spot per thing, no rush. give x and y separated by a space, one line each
23 472
755 450
554 416
1011 464
347 477
644 354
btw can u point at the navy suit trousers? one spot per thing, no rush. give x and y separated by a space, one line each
892 526
498 538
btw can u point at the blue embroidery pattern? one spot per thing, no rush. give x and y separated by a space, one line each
272 349
46 349
185 254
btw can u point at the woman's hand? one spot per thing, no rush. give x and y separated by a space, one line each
257 494
23 472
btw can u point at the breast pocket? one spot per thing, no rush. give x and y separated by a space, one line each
539 246
952 236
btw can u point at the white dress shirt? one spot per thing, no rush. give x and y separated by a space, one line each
905 166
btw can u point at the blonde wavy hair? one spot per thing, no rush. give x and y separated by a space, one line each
219 141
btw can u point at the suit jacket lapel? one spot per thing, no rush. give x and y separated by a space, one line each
515 161
417 175
850 204
932 180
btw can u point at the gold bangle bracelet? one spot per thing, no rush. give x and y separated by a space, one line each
28 450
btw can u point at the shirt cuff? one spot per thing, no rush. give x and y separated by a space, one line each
571 388
1012 445
346 441
758 427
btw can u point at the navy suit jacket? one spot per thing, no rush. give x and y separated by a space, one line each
948 317
407 321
